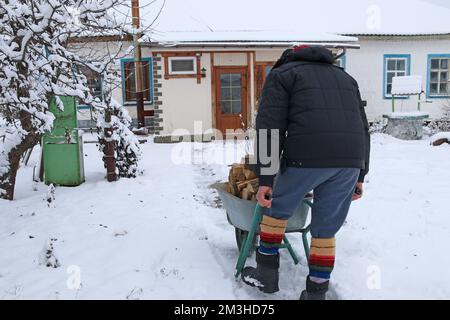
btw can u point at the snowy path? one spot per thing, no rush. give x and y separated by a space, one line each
164 235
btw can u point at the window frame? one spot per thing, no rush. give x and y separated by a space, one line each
386 58
150 74
175 73
436 56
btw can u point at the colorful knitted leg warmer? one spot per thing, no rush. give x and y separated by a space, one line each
271 236
321 258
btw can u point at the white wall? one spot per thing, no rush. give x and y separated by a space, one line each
184 101
366 65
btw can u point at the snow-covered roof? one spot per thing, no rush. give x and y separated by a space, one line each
406 85
290 20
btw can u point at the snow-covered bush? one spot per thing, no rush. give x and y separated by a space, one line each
442 124
378 126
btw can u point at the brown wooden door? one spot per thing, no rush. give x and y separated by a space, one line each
231 98
262 69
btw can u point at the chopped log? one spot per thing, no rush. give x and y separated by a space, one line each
234 189
246 194
439 142
244 184
237 171
249 174
253 187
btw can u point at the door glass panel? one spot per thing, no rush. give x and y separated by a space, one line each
235 79
230 93
225 106
225 93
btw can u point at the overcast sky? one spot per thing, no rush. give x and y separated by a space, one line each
444 3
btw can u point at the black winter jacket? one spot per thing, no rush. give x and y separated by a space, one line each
318 109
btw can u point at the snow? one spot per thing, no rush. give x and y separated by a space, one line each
163 236
403 115
200 20
407 85
439 136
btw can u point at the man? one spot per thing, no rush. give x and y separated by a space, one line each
313 110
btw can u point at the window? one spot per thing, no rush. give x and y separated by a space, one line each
129 80
395 66
438 76
94 83
230 93
182 65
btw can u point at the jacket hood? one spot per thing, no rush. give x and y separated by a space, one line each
306 53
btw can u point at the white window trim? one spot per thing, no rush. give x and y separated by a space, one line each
194 60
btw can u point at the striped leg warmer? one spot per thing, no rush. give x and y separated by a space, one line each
271 236
321 258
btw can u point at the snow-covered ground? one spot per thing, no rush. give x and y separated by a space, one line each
164 235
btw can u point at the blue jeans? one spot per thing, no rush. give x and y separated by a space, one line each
333 189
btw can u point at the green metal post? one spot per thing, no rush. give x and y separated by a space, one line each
418 102
288 246
393 104
257 216
305 241
305 232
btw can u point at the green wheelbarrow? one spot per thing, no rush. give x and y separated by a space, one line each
245 216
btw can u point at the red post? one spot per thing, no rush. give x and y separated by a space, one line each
108 151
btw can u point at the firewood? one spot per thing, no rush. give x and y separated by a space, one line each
237 172
242 181
245 183
249 174
234 189
245 194
440 142
253 187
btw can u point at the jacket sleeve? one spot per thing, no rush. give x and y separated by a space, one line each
272 115
367 139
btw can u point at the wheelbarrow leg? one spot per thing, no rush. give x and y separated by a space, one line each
257 216
306 230
305 241
291 250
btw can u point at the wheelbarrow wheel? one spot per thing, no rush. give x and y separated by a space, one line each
241 235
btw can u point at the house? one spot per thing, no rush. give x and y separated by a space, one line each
206 61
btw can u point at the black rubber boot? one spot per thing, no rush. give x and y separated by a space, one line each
314 290
265 275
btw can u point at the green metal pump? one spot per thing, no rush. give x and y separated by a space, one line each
63 146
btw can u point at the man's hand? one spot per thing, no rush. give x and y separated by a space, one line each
264 192
358 193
